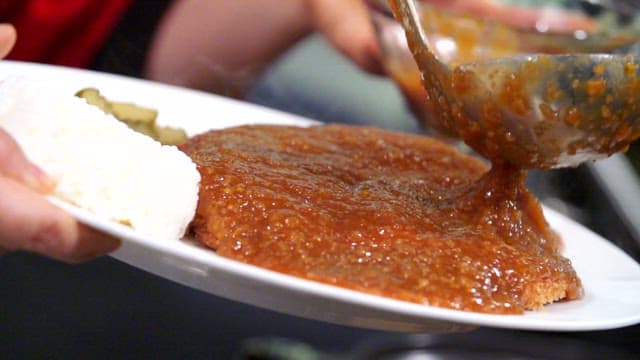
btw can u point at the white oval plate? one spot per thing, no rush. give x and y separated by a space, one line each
611 278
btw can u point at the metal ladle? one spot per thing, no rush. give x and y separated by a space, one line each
534 111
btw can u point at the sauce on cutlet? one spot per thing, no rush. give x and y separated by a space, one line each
397 215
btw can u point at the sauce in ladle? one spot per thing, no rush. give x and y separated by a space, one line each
534 111
595 118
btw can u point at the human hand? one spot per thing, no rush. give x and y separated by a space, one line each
7 39
523 16
27 220
346 24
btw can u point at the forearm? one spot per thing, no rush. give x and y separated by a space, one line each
223 45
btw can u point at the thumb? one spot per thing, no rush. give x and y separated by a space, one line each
31 223
14 165
346 24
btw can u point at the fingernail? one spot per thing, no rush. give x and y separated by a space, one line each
35 178
107 244
111 244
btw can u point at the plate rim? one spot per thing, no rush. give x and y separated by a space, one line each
420 312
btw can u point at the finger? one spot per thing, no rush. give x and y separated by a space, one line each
561 21
29 222
7 39
553 19
14 165
90 244
346 24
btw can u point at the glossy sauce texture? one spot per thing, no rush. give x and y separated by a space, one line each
588 109
398 215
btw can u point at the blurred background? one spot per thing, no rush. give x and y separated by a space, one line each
107 309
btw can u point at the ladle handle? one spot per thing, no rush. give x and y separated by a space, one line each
407 14
436 75
410 19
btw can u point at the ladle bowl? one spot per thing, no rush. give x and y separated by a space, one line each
533 110
548 111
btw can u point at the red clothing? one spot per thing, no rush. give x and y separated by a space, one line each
62 32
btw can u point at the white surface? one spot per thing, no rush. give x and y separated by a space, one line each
99 164
617 177
611 278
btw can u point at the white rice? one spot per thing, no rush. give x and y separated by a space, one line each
98 163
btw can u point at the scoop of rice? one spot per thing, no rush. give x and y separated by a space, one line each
98 163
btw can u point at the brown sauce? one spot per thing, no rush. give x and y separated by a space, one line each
603 123
397 215
596 116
